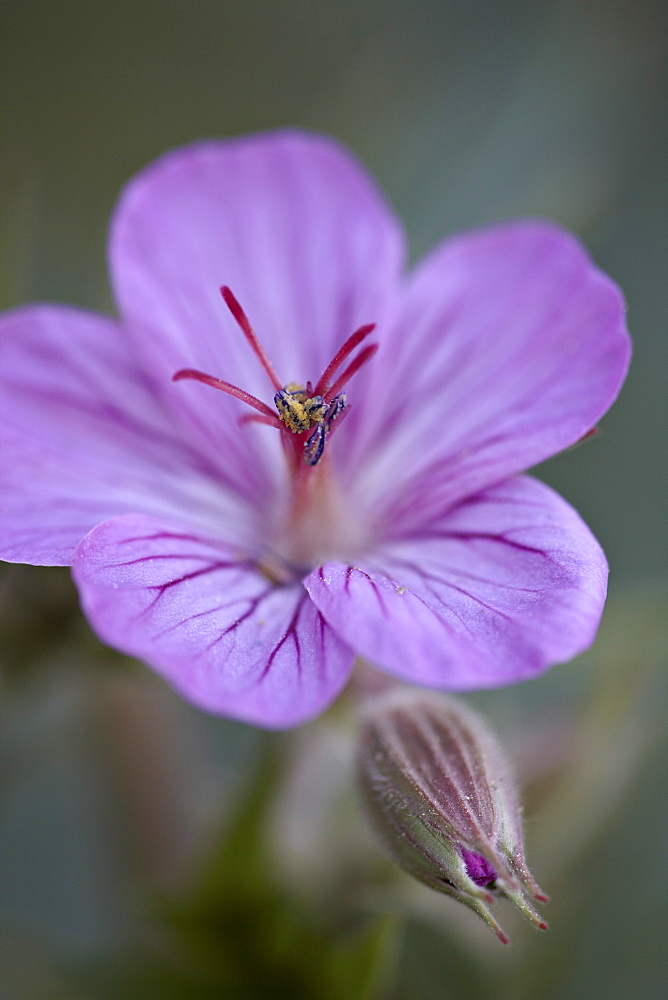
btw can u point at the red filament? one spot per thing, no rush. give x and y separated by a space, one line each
250 335
351 343
231 390
351 370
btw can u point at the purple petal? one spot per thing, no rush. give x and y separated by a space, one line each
84 438
291 224
478 869
500 588
197 611
511 346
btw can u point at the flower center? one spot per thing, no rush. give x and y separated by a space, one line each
301 412
306 416
306 411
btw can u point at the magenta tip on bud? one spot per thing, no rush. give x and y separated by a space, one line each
439 795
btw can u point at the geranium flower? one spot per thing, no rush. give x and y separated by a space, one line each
248 561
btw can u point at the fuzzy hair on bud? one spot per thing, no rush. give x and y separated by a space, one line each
442 802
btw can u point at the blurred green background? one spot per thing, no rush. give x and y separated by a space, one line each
133 862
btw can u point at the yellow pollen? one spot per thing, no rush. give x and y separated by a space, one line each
297 410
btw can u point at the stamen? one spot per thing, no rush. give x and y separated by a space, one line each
231 390
351 370
351 343
300 410
336 408
249 333
315 445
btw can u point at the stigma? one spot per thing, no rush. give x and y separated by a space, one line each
306 415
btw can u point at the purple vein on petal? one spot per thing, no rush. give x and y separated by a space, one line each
253 604
163 588
197 615
160 535
182 556
426 575
502 538
290 633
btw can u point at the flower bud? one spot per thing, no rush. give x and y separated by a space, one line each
439 795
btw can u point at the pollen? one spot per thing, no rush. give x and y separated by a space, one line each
298 410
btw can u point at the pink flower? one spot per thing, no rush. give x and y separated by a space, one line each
205 544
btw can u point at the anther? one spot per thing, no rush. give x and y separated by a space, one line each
315 445
297 410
